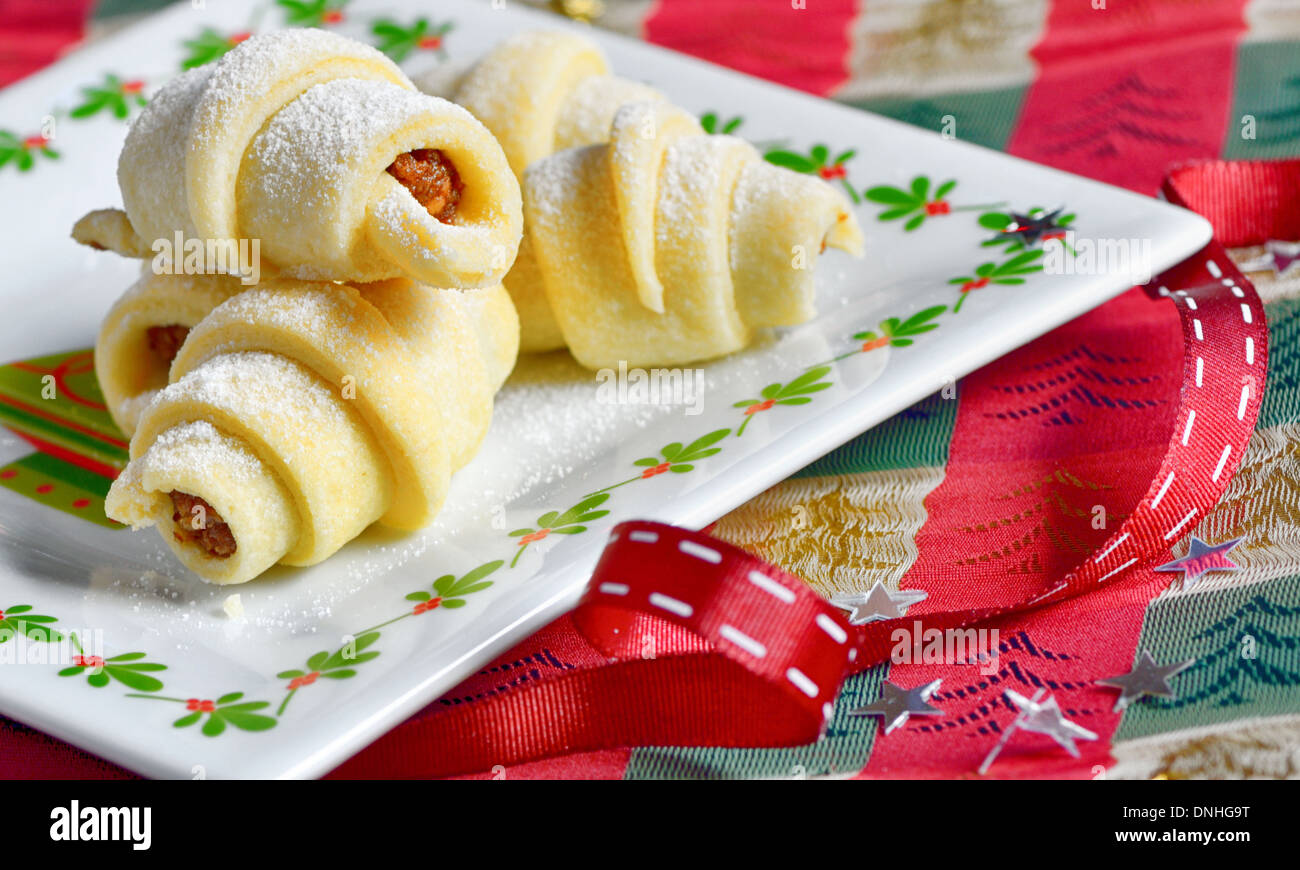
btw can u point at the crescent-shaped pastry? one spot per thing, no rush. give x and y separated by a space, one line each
300 413
543 91
142 332
320 148
666 246
540 92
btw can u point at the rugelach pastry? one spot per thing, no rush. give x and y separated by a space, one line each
667 245
320 148
540 92
645 240
298 413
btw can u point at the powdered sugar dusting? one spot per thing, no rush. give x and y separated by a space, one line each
332 128
205 443
251 68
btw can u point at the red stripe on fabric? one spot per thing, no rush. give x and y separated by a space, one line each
1220 385
1064 649
26 753
63 422
1016 505
1076 32
70 456
35 33
1121 102
1070 645
765 38
1017 509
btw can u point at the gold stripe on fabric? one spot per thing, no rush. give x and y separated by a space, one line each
840 533
1262 507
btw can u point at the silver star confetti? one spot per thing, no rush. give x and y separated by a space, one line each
1045 717
1146 678
1041 717
895 704
877 603
1201 559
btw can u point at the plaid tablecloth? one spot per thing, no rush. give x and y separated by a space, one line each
982 483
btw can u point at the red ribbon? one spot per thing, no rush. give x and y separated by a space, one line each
697 632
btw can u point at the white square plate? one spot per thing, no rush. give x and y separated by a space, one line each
552 443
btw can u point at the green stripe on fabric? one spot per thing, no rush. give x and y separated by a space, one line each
917 437
113 8
1246 642
59 485
39 427
1282 389
844 749
61 384
66 472
1267 90
983 117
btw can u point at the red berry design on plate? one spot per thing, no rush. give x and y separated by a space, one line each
22 152
796 392
224 711
17 619
426 606
340 664
569 522
450 591
531 537
130 669
312 13
675 457
1009 272
817 161
398 41
113 95
916 202
210 45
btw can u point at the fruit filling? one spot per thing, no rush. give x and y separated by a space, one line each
432 180
204 528
165 341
